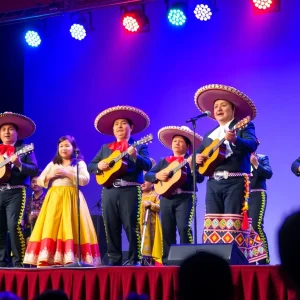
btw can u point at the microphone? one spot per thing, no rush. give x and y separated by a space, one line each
205 114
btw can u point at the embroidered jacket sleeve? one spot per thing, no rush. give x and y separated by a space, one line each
264 169
93 165
150 176
246 141
29 165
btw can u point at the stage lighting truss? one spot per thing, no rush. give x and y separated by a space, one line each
80 25
134 18
265 6
177 12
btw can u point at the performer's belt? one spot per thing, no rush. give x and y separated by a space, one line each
180 191
218 175
7 186
120 183
258 190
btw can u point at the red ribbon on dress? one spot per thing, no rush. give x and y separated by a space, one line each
121 145
8 149
170 159
245 223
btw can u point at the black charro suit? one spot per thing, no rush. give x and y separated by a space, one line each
258 199
12 202
226 195
176 210
121 205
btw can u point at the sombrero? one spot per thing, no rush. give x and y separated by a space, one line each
26 127
206 96
104 121
166 134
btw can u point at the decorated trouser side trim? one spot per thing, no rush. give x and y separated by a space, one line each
257 208
19 229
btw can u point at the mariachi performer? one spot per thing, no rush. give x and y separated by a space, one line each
176 208
261 171
14 181
121 198
227 193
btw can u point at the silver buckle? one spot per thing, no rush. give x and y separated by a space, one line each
5 186
218 177
118 183
178 191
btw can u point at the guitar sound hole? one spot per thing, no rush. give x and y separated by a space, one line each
112 163
211 152
170 174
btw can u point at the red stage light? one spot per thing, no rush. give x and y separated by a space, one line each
130 23
263 4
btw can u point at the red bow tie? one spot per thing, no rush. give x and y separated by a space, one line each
170 159
122 145
8 149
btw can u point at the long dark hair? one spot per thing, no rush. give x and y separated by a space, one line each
58 159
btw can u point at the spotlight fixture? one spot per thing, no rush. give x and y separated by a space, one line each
32 38
205 10
177 13
265 6
134 18
80 25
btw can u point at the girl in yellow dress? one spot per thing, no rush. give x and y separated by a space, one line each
152 242
54 240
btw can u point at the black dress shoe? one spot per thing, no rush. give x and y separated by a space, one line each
3 265
136 264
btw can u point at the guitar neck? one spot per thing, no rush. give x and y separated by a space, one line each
124 153
180 165
7 160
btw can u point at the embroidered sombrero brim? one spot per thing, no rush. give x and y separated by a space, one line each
26 127
206 96
105 120
166 134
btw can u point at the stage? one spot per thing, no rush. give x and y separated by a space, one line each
115 283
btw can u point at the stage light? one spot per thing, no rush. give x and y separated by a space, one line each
265 6
203 12
134 18
78 32
176 17
80 25
32 38
262 4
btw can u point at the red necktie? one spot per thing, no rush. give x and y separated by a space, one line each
170 159
121 145
8 149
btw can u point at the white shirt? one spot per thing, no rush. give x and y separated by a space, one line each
219 133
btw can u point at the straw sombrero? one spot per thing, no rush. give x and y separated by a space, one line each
206 96
104 121
166 134
26 127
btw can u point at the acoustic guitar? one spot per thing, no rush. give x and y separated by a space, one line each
5 165
118 163
216 151
176 178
